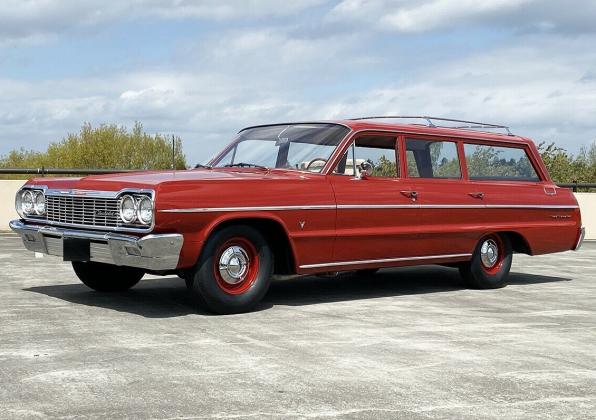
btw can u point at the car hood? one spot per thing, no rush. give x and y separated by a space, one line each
151 179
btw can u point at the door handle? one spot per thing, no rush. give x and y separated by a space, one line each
410 194
479 195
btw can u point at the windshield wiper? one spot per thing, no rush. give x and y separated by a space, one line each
200 165
245 165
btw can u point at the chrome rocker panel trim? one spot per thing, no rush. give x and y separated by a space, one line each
385 260
151 252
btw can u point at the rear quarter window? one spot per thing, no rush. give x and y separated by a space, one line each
487 162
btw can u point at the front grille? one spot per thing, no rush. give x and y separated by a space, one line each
83 211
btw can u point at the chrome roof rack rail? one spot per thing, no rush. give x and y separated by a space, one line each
468 124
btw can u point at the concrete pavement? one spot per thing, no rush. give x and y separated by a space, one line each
406 343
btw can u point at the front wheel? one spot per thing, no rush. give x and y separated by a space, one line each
107 277
234 270
490 264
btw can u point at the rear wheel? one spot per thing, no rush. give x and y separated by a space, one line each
234 270
107 277
490 264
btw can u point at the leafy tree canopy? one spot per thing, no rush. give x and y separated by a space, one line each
105 147
565 167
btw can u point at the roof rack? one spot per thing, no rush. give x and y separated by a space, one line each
468 124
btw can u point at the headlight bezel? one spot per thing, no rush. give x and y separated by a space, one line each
141 201
31 193
137 200
36 195
128 198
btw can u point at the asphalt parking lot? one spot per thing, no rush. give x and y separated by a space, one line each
407 343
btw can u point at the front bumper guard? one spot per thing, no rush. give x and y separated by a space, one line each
159 252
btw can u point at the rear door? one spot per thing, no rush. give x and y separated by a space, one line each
451 211
377 218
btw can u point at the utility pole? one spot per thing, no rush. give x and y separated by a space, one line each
173 152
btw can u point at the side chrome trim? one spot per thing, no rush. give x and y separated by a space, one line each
531 206
263 208
369 206
455 206
384 260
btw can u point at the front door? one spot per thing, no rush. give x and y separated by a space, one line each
377 217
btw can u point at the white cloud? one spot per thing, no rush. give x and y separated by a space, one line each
35 21
415 16
540 89
542 85
446 13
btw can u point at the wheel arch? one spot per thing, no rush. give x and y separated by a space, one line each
274 232
518 242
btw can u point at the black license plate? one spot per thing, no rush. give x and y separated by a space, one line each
76 249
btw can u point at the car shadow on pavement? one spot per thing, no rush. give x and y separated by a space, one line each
167 297
162 297
386 283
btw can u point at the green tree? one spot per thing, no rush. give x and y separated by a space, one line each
105 147
384 167
564 167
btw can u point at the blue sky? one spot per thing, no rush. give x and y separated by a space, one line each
204 69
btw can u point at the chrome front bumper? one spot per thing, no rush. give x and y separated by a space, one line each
150 252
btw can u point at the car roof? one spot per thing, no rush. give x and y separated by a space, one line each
356 125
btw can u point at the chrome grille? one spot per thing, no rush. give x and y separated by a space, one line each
83 211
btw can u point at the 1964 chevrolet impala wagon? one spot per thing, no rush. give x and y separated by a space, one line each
303 198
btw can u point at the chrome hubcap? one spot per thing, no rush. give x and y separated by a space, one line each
489 253
233 264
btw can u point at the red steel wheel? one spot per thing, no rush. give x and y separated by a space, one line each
234 270
236 265
492 253
490 263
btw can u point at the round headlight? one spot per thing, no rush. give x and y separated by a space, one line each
145 210
39 203
27 203
128 209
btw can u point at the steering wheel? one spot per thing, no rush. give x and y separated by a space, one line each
316 160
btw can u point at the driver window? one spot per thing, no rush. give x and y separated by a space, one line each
379 151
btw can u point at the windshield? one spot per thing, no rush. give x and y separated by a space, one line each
305 147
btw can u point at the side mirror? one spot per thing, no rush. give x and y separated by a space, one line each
366 169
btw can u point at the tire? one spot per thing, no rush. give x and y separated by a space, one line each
367 272
107 277
490 264
243 284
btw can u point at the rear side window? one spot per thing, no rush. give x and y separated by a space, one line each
432 159
498 163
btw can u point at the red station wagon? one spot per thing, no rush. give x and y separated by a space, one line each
307 198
